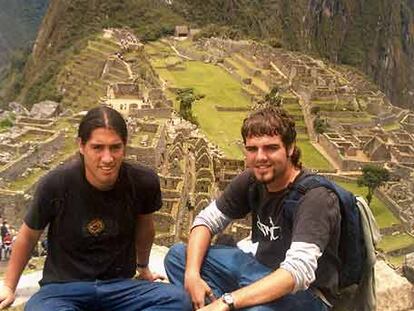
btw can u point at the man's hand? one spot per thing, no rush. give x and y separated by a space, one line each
217 305
198 290
146 274
7 297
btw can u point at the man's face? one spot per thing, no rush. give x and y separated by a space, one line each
103 154
268 158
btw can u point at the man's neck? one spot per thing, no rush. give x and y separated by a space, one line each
284 181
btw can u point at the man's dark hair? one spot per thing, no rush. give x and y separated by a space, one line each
272 121
105 117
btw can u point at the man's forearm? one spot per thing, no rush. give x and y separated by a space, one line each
144 238
198 244
271 287
22 248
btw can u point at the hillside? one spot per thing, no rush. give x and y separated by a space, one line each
376 37
19 22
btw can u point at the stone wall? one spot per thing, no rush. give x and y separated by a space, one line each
345 164
13 206
151 156
153 112
40 153
393 207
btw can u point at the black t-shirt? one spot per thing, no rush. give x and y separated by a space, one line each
91 233
317 221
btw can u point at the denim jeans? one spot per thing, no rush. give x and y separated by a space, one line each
226 269
112 295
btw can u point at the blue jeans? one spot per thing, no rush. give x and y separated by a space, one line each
226 269
112 295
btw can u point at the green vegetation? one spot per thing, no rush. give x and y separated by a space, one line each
373 177
219 89
186 98
391 127
272 98
311 157
396 261
6 123
320 125
395 242
382 215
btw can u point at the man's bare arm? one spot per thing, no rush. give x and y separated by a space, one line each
198 245
144 237
271 287
22 249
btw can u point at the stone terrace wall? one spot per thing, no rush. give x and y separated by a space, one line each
345 164
12 206
153 112
40 153
151 156
394 208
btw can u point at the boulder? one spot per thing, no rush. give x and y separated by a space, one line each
46 109
394 292
408 267
18 109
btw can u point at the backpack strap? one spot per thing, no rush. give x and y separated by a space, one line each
297 190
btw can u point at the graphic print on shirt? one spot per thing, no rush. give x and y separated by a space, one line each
270 231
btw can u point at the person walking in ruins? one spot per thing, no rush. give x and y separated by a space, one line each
98 210
4 229
293 267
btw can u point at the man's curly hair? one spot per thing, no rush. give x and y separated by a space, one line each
273 121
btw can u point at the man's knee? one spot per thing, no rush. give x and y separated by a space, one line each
177 297
175 255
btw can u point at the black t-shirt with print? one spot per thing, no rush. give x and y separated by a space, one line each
91 233
317 221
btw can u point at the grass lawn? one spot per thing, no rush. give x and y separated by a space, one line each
396 261
391 127
220 89
311 158
391 243
383 216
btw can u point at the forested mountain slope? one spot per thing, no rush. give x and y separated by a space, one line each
376 36
19 21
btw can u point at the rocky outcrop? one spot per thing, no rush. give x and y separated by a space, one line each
394 293
408 267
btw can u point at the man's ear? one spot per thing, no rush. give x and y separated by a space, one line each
80 145
290 151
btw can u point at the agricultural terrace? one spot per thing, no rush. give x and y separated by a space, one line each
222 89
219 89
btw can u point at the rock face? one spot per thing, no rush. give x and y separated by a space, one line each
46 109
19 20
374 35
394 293
408 267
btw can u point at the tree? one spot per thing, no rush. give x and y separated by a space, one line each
373 177
320 125
186 97
273 98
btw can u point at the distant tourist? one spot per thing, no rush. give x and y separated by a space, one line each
4 229
294 264
99 211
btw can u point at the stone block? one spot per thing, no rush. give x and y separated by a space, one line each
408 267
394 292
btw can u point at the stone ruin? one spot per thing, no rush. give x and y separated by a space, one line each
135 101
27 151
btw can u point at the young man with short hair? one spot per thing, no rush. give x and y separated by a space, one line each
98 210
295 265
